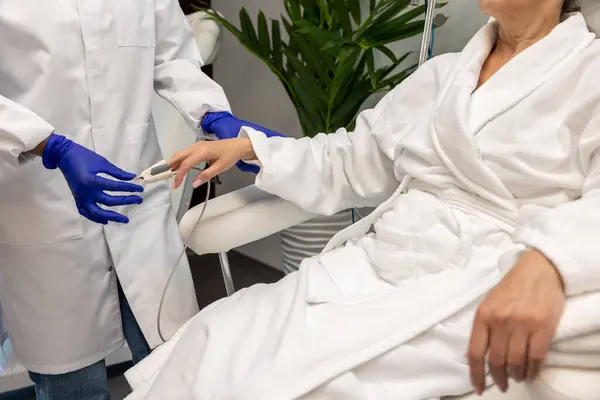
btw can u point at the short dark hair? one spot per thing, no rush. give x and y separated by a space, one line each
570 6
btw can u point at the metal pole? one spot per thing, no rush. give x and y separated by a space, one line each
426 43
227 277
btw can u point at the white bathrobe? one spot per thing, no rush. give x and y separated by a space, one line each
470 178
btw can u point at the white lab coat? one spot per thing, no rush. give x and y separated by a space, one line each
387 314
87 69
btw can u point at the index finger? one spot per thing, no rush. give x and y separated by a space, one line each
176 159
117 186
105 215
480 337
115 172
187 165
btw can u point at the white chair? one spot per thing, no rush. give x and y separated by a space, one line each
256 215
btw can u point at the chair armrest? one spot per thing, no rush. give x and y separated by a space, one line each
238 218
566 384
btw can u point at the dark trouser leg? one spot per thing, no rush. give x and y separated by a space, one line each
133 334
89 383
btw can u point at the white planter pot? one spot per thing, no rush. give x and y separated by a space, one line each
310 238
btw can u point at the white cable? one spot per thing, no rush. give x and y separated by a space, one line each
174 268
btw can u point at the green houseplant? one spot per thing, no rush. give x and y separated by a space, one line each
324 52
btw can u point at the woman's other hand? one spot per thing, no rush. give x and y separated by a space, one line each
514 326
220 155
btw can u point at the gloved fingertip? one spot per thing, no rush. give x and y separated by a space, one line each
128 177
123 175
133 200
133 188
117 172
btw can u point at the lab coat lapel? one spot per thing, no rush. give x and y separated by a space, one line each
453 135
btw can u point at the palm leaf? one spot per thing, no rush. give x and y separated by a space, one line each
371 5
293 9
323 51
371 68
263 36
354 8
277 54
248 29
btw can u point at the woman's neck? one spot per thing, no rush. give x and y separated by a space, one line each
513 38
517 34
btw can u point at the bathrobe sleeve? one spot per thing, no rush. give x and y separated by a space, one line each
330 172
569 234
178 77
21 130
333 172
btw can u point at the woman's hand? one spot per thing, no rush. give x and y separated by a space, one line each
220 155
225 126
516 323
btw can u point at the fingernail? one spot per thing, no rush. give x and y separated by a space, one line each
198 183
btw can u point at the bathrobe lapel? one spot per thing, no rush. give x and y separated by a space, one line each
453 133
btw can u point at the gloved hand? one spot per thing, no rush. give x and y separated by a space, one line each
225 126
80 167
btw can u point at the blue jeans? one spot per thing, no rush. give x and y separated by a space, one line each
91 383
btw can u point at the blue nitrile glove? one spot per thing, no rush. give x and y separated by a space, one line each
80 167
225 126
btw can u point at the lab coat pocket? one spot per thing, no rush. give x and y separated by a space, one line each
135 23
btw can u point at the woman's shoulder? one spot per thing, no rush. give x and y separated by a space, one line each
431 74
419 90
442 64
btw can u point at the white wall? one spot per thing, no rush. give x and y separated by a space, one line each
256 94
